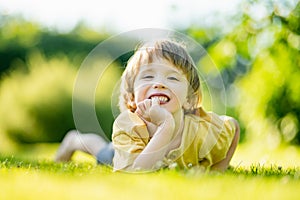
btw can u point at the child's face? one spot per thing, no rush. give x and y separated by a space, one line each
163 80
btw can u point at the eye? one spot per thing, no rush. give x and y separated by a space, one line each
173 78
147 77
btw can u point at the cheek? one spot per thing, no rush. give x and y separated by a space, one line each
137 97
140 94
182 93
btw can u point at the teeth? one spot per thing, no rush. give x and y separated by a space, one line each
161 98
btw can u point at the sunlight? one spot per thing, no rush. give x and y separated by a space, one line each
117 15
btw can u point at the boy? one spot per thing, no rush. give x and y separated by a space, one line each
161 122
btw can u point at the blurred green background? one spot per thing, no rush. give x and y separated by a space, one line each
258 57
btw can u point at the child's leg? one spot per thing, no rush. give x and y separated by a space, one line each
73 141
106 154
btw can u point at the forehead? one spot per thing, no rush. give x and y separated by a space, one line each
159 64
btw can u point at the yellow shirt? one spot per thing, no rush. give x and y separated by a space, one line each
205 140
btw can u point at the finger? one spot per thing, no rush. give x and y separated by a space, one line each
138 111
155 101
147 103
140 107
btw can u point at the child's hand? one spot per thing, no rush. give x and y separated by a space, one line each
161 139
151 111
143 109
157 114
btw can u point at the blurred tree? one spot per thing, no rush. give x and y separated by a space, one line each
18 38
36 105
270 91
37 70
259 61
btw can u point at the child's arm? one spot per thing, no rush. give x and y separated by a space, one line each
157 147
223 164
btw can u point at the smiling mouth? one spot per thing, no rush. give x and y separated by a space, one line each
161 97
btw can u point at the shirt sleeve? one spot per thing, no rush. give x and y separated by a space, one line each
130 137
219 133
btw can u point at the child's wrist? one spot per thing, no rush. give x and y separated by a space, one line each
168 123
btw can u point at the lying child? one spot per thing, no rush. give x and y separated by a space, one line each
162 122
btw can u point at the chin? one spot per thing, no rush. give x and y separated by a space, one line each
172 109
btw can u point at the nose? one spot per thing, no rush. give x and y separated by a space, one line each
158 86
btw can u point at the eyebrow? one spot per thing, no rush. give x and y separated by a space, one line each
151 70
147 70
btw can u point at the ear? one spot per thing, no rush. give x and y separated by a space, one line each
191 103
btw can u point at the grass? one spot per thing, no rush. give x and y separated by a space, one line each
38 177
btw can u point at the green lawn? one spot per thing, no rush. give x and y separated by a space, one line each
33 175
